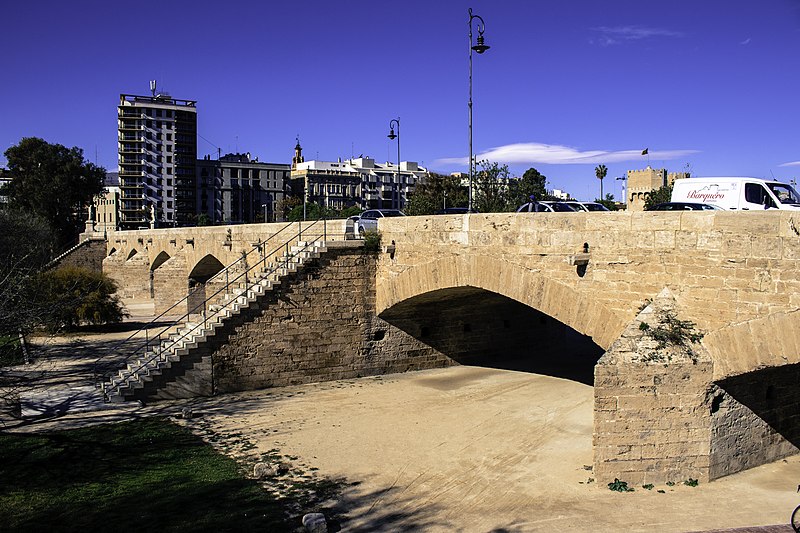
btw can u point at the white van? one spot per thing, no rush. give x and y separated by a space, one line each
745 194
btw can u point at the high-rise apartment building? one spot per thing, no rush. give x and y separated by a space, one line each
157 159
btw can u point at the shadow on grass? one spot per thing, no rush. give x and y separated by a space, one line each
151 475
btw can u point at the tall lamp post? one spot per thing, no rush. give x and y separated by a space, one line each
479 47
392 136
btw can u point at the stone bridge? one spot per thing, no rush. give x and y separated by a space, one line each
564 295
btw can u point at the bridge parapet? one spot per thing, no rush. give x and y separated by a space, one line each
722 267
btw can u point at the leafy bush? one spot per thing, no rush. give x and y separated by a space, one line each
620 486
76 295
372 241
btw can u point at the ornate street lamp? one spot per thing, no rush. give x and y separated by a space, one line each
479 47
392 136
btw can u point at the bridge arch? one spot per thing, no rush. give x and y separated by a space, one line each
205 269
160 259
532 288
200 274
132 253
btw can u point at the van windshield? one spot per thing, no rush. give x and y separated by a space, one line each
785 193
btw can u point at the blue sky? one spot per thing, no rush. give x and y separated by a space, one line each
566 85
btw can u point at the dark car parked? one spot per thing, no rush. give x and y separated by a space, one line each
455 211
684 206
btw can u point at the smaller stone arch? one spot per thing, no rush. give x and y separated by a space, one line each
201 273
160 259
205 269
112 252
131 254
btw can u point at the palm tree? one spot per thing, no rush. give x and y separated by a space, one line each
601 171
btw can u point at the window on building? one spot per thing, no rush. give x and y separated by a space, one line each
169 170
169 136
169 148
169 182
169 160
169 193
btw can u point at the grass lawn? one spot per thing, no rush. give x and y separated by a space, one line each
145 475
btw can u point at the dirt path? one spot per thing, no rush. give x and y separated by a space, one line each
474 449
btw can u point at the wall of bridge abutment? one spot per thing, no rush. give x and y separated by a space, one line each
735 275
157 265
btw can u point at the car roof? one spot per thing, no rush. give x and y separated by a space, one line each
684 206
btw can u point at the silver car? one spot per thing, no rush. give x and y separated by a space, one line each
586 206
368 221
545 207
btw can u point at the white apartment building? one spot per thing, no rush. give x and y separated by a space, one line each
355 182
157 139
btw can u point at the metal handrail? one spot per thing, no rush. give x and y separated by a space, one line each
224 288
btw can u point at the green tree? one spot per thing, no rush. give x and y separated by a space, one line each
608 201
435 193
26 246
601 171
490 189
658 196
532 185
74 296
53 182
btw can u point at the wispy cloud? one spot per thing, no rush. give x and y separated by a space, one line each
608 35
554 154
746 41
790 164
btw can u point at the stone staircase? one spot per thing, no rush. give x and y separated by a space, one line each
166 358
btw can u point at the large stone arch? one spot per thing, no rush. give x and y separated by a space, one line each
530 287
755 412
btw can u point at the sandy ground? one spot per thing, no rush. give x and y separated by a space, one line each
458 449
476 449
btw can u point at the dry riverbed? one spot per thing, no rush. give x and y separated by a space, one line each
476 449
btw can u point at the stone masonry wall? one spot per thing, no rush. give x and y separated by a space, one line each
652 421
170 285
322 326
755 420
88 255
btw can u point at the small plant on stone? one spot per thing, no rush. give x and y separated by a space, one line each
671 332
691 482
620 486
372 241
670 483
648 486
